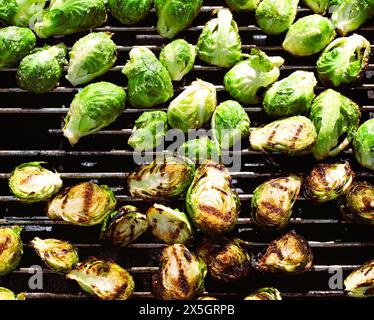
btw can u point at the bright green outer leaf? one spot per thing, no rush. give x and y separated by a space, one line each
201 149
363 144
11 249
29 12
130 11
8 8
243 5
318 6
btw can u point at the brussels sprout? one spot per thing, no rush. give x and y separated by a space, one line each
175 15
181 274
265 294
247 77
288 254
230 123
130 11
124 226
291 96
28 12
149 83
243 5
178 57
292 136
327 182
31 182
227 260
363 144
273 200
11 249
58 255
167 176
211 202
360 283
219 43
8 8
358 203
6 294
15 44
335 117
85 204
41 71
90 57
171 226
105 279
199 150
318 6
309 35
70 16
206 298
344 60
275 17
93 108
194 107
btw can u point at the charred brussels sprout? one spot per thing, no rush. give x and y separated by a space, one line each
129 11
8 8
105 279
259 71
149 83
31 182
11 249
318 6
327 182
211 202
363 144
171 226
273 201
360 283
181 274
6 294
28 12
199 150
93 108
219 43
91 56
85 204
243 5
265 294
309 35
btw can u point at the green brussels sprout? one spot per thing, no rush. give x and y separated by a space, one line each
363 144
8 8
28 12
344 60
129 11
105 279
360 283
327 182
273 200
41 71
219 43
181 274
275 17
58 255
201 149
318 6
227 260
265 294
245 79
309 35
6 294
124 226
288 254
230 123
171 226
149 131
292 136
291 96
90 57
70 16
194 107
167 176
242 5
211 202
206 298
31 182
175 16
149 83
93 108
15 44
84 204
336 119
178 57
11 249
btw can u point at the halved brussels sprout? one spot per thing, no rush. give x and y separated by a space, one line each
6 294
318 6
31 182
335 117
85 204
130 11
194 107
327 182
105 279
211 202
219 43
28 12
8 8
265 294
171 226
288 254
309 35
11 249
292 136
243 5
58 255
360 283
363 144
201 149
181 274
245 79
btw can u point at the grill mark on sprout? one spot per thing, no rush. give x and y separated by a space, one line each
87 197
321 174
277 185
121 290
225 216
271 136
182 279
296 136
5 244
26 179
